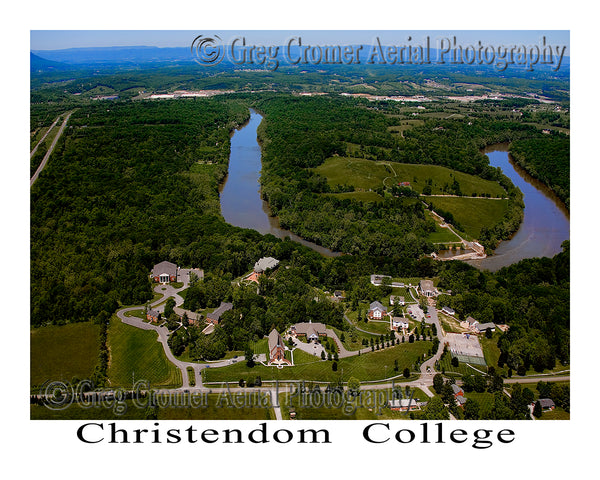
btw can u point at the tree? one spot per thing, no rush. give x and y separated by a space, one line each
438 383
448 394
241 383
406 372
323 355
249 356
334 366
454 361
169 306
537 410
172 321
471 409
435 410
353 386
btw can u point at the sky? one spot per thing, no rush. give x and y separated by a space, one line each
61 39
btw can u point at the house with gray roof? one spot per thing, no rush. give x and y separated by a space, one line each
547 404
152 315
482 327
378 279
164 272
265 263
376 311
215 316
399 323
426 288
312 331
396 300
457 391
470 323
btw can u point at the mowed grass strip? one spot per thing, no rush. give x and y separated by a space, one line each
63 352
472 213
368 174
202 407
370 366
136 354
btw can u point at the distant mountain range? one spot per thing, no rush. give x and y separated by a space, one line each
116 55
39 64
137 56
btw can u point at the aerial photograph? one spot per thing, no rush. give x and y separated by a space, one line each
299 225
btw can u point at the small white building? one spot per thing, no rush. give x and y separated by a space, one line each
396 300
399 323
376 311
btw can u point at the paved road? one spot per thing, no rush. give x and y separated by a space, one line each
50 150
43 138
428 367
424 382
163 333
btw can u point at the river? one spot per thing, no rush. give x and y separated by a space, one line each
241 201
545 218
545 222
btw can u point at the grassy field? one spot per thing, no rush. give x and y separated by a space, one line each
371 366
353 338
366 174
472 213
441 235
63 352
205 407
137 352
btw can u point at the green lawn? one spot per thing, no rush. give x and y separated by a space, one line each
371 366
204 407
353 338
136 313
358 172
136 353
472 213
367 174
59 353
441 235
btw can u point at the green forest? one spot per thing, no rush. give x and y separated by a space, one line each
134 183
